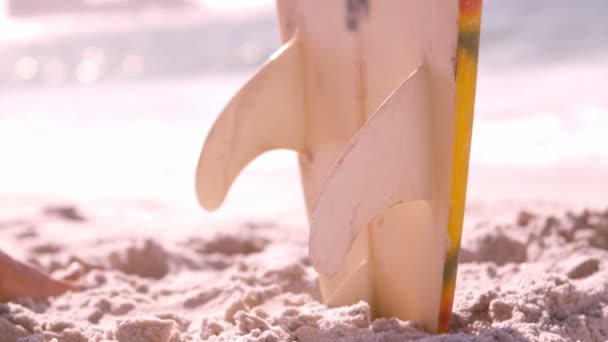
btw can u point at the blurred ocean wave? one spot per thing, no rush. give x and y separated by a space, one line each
539 32
186 43
157 51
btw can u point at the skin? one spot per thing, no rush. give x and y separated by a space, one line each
19 280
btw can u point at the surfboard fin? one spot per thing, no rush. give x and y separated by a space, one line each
379 195
267 113
387 162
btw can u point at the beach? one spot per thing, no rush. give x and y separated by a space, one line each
97 184
155 275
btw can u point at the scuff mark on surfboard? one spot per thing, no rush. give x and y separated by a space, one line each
354 10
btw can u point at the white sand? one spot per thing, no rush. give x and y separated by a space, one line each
539 278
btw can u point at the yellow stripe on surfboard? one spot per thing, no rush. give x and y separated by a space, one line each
466 76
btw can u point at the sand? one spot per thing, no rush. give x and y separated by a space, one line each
535 276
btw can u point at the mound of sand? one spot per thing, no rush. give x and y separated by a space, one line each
540 278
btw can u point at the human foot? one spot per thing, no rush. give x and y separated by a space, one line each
19 280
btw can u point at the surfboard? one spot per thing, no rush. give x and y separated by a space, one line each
377 98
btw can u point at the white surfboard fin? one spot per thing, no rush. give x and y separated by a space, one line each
267 113
387 162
